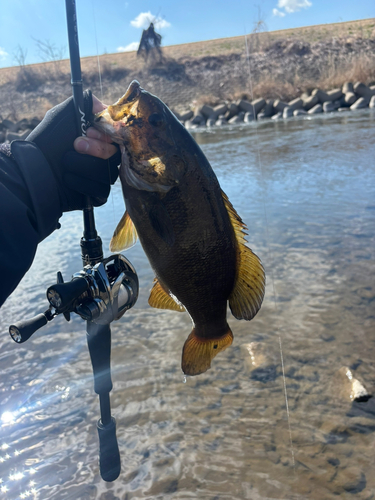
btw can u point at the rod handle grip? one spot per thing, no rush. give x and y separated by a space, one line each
109 454
22 330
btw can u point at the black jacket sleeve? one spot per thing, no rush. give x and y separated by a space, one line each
29 210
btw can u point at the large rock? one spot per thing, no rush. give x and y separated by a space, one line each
296 104
337 104
232 111
334 94
328 106
238 118
221 121
287 112
310 102
363 91
360 103
349 98
372 102
245 106
347 87
343 109
186 115
258 105
299 112
23 124
316 109
249 117
210 122
205 110
279 105
198 119
9 125
220 109
277 116
268 111
16 136
190 125
321 96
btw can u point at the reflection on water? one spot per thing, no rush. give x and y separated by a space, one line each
306 190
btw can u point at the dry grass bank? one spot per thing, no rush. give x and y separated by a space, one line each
282 63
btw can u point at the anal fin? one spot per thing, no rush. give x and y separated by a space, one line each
249 287
125 235
160 299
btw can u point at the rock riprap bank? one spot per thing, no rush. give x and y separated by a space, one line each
348 98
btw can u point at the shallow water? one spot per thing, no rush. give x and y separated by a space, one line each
306 190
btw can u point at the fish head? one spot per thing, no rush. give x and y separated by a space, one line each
149 136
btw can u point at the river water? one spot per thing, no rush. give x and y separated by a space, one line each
306 190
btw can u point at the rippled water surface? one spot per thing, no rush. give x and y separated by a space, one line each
306 190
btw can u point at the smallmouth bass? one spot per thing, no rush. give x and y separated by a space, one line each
189 230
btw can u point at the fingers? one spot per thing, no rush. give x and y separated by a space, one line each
94 147
95 143
93 133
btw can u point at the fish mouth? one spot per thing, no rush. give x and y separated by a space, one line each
115 118
126 122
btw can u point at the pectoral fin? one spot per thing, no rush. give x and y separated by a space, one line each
248 291
125 235
160 299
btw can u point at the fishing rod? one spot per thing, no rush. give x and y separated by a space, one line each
100 293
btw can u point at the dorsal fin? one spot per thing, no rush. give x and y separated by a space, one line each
160 298
249 287
125 235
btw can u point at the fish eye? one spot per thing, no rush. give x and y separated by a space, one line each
155 120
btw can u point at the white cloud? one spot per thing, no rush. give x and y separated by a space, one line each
3 54
144 19
277 12
293 5
129 48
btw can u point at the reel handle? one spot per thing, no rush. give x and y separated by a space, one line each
24 329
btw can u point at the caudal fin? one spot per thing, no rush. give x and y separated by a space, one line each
198 352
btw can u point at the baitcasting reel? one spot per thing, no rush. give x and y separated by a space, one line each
100 294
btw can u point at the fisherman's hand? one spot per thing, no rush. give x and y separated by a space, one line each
78 175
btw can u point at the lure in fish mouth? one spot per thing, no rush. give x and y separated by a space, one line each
189 230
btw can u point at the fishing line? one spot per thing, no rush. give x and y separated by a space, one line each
101 98
270 255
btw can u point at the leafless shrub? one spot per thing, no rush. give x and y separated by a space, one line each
49 52
358 67
28 80
108 73
19 55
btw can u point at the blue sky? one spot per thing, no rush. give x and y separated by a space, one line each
115 25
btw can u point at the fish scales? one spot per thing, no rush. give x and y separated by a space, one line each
191 234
